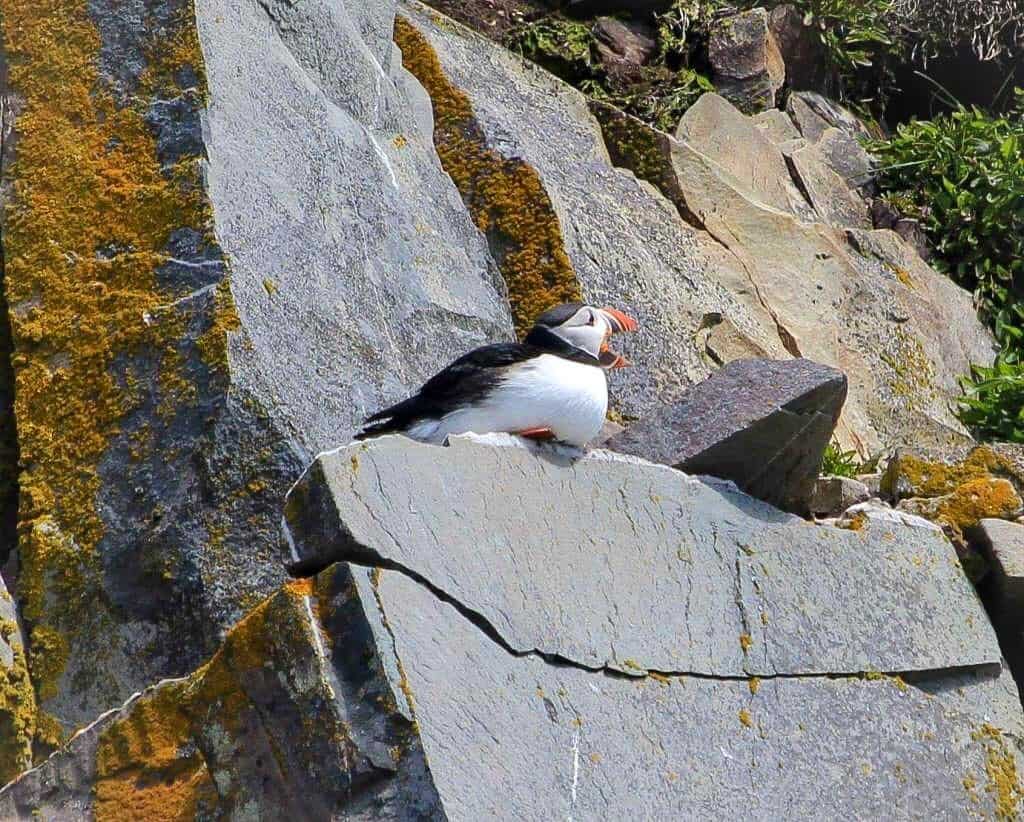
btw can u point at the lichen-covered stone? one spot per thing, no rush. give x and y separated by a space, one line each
294 717
17 699
833 495
225 242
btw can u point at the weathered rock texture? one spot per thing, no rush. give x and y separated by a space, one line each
224 243
746 61
731 250
593 664
833 495
763 424
1003 590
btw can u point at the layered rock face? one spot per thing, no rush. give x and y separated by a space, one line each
242 225
225 242
465 661
749 247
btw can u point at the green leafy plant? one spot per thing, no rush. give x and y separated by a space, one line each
993 401
839 463
564 47
962 175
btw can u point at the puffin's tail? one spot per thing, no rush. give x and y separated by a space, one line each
393 420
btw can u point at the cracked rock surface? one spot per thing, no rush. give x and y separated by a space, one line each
537 673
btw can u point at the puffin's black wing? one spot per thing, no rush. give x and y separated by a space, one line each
467 380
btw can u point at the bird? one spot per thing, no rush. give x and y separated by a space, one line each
551 386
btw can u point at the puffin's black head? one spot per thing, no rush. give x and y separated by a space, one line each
586 328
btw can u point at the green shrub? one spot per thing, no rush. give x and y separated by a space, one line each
993 401
564 47
962 175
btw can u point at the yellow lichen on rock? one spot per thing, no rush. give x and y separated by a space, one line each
1002 780
505 196
17 708
911 475
85 231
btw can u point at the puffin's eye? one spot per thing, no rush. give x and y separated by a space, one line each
591 320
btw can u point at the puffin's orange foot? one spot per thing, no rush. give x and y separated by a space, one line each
539 434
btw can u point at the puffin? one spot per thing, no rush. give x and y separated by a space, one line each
551 386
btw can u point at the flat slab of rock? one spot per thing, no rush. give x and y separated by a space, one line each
664 572
432 658
762 423
1005 543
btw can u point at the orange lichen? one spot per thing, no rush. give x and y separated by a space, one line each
86 230
505 196
1002 781
910 475
746 642
754 684
745 719
974 501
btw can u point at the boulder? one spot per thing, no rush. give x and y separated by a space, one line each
813 113
833 495
623 43
967 505
762 423
829 193
1002 544
714 662
849 159
934 472
253 248
747 67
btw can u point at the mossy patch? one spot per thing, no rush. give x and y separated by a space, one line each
910 475
505 196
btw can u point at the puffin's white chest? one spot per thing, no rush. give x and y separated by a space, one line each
568 397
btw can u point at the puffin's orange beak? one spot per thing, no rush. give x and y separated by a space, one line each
618 322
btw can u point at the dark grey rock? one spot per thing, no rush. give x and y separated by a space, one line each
621 42
747 68
833 495
762 423
912 232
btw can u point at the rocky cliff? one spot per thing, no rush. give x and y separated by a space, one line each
231 229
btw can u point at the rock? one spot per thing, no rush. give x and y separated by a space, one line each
827 191
761 423
920 472
801 49
776 125
833 495
849 159
257 249
407 654
727 234
813 113
883 213
1002 544
964 508
747 67
873 482
859 516
292 718
621 42
17 699
913 234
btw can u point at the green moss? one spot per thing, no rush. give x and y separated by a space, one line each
505 196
